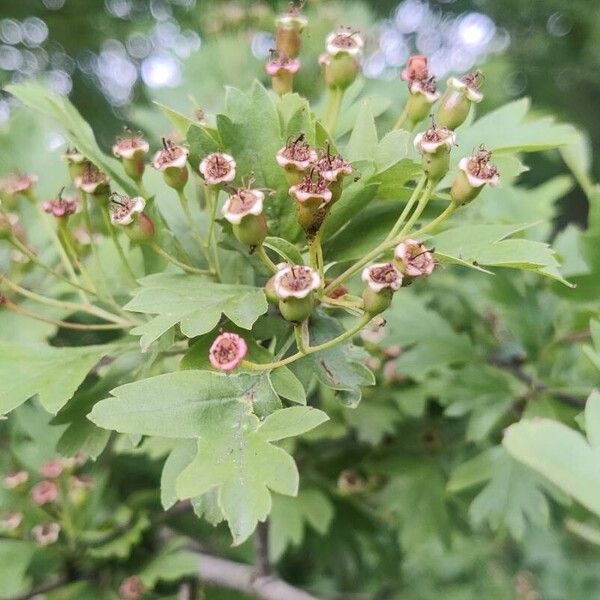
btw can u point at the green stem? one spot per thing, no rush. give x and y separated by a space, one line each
449 210
185 207
302 337
360 324
90 232
170 258
142 189
212 197
332 110
315 252
65 237
402 118
354 306
262 254
386 244
35 260
59 247
87 308
115 240
420 208
62 324
413 198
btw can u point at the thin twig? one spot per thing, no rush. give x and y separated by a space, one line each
261 550
535 387
235 576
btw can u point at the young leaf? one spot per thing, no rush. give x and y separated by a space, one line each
195 303
52 373
243 463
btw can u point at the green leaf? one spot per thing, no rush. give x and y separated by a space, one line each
416 496
483 392
290 516
251 132
241 462
341 367
170 564
355 198
194 302
81 434
363 140
510 129
561 454
512 496
77 130
475 245
15 556
593 351
287 385
290 422
286 250
201 142
121 546
181 122
350 111
181 405
52 373
179 458
393 148
434 344
373 421
296 117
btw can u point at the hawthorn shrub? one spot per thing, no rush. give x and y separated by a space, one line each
353 347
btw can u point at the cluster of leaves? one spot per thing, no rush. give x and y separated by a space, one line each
407 486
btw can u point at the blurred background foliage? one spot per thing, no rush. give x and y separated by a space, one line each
113 56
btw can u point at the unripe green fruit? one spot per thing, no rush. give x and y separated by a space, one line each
341 70
292 175
417 108
311 214
142 229
453 110
296 310
134 167
377 302
270 293
436 165
176 177
252 230
462 192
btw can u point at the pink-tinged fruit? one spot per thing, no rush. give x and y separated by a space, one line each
227 351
